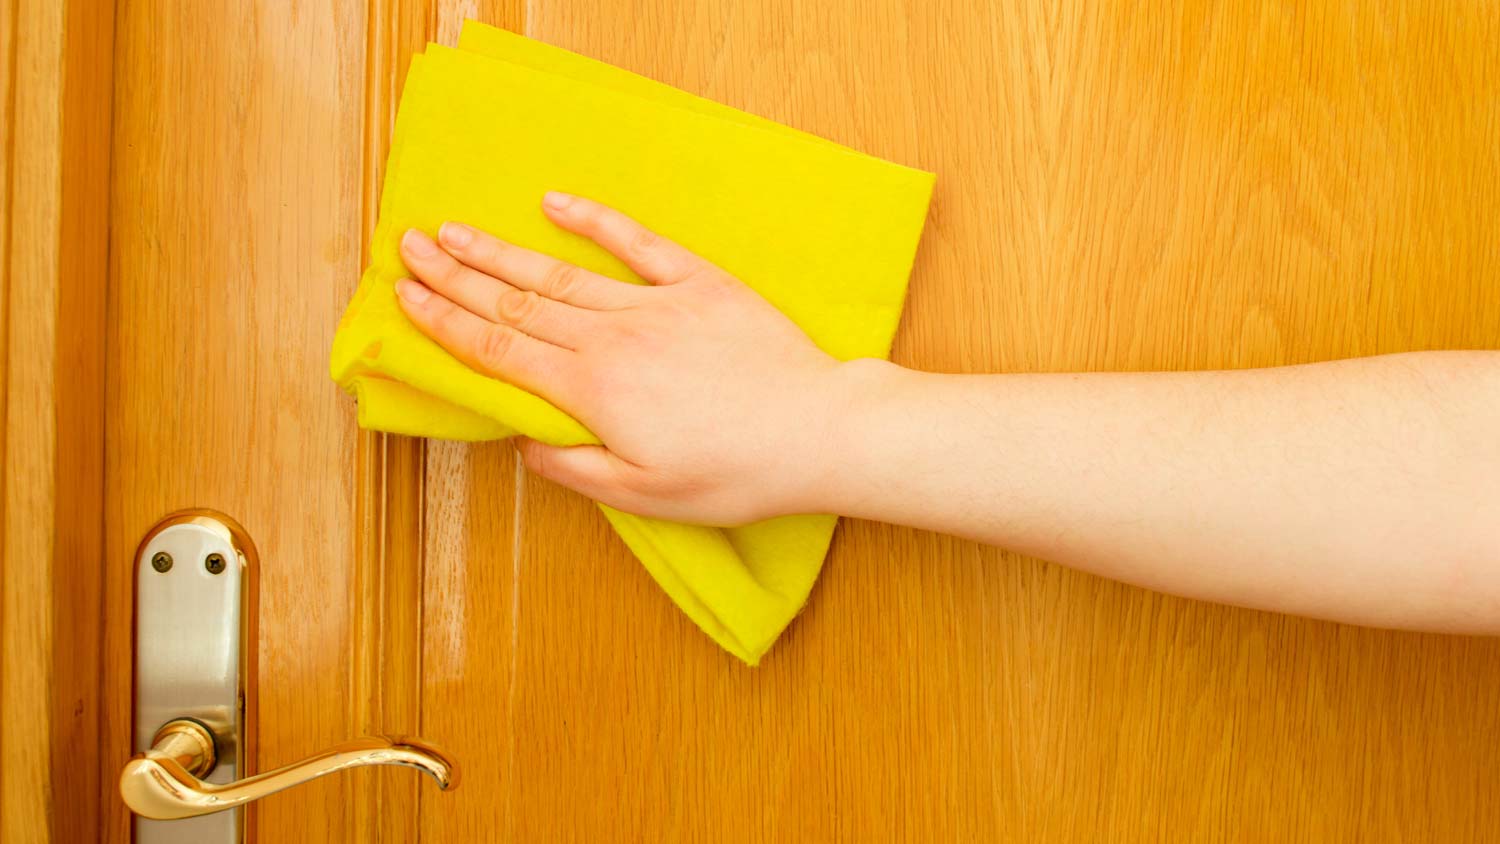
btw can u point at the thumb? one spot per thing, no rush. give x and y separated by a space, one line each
592 470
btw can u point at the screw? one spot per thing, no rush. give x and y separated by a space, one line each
214 563
161 561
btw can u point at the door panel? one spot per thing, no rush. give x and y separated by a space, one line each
1179 186
1184 185
237 219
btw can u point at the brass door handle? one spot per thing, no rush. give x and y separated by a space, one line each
195 706
163 782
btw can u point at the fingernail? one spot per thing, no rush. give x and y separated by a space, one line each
557 201
456 235
417 243
411 291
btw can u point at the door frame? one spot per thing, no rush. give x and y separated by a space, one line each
56 69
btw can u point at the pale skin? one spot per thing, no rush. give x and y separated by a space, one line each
1364 491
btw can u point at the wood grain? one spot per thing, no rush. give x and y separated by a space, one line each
392 470
27 612
386 601
290 111
56 63
1184 185
236 218
1181 185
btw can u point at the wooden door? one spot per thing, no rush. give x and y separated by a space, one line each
188 191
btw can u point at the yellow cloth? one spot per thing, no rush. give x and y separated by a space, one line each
825 233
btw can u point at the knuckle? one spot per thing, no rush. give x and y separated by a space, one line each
712 281
675 314
493 347
664 485
488 251
518 307
535 459
441 314
643 243
596 382
632 333
562 280
452 271
645 482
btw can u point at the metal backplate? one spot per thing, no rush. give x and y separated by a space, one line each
194 649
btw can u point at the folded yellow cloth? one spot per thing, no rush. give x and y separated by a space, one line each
825 233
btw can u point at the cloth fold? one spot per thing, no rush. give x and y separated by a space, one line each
824 233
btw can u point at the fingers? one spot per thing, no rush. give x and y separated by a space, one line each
653 257
492 349
491 298
591 470
528 270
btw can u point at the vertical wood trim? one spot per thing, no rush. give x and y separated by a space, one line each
34 146
7 151
387 665
88 98
386 669
57 97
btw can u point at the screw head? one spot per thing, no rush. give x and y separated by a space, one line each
161 561
214 563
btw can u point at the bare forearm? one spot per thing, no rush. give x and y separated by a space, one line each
1366 490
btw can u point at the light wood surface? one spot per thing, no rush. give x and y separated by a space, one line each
387 566
55 63
236 224
1179 185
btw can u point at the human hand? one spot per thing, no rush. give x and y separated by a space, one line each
712 406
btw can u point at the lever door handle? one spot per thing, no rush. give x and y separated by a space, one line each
163 783
195 694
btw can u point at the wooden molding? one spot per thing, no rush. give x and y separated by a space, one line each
386 669
388 472
57 75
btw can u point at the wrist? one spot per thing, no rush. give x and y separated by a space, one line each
838 471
